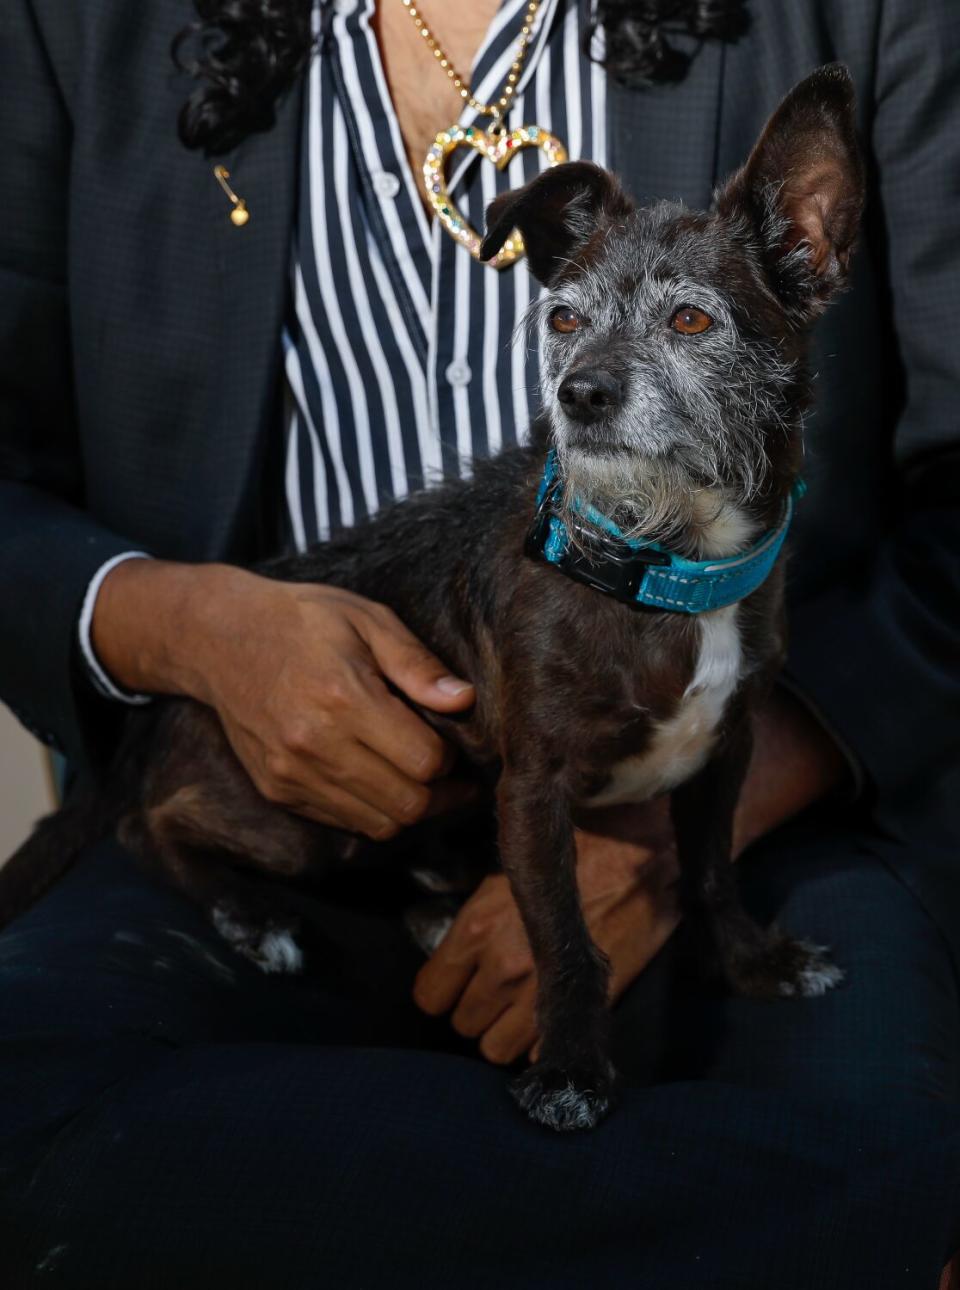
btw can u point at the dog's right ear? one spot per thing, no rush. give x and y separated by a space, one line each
555 213
801 191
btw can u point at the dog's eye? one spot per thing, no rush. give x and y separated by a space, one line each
690 321
565 320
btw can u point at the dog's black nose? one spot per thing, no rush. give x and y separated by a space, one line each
589 394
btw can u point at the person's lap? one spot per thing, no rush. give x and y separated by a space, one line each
892 1027
169 1115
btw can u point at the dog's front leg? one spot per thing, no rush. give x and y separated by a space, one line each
757 962
571 1085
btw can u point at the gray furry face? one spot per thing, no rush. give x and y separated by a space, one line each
680 411
657 421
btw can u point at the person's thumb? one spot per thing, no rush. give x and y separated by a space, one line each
418 673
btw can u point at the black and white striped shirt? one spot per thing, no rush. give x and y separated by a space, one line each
404 356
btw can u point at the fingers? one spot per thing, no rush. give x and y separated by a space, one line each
480 962
444 977
503 964
378 782
344 811
387 726
388 795
483 971
481 1003
442 980
379 820
412 668
498 1012
317 766
350 788
514 1033
420 755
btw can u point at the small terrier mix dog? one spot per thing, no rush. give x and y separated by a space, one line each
674 386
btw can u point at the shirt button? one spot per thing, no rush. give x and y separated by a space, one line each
385 184
458 373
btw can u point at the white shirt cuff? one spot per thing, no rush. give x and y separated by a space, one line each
101 681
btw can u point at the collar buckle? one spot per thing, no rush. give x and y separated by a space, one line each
599 560
617 572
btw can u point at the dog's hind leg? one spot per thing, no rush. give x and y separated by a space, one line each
756 962
198 842
571 1085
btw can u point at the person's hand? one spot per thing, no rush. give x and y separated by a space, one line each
301 678
795 763
483 972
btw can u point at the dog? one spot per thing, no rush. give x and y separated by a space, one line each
674 385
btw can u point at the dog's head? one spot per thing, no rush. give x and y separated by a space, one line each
671 340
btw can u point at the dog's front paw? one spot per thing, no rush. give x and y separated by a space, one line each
565 1099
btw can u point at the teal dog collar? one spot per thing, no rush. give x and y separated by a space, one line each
645 573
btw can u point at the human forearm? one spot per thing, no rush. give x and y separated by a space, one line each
151 625
795 763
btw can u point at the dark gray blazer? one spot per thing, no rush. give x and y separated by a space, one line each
139 372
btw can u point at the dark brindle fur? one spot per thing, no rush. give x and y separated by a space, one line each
695 439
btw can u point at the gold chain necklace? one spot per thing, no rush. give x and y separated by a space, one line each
496 144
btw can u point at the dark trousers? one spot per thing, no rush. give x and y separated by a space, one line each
171 1119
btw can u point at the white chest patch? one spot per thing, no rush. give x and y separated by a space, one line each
681 745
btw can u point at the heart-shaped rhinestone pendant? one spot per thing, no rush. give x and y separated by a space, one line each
496 147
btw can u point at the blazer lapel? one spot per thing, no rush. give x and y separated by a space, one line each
664 138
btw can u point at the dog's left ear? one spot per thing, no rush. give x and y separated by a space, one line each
802 190
555 213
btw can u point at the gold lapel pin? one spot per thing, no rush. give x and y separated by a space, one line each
239 215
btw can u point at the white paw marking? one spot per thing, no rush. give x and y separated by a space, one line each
565 1106
279 952
818 978
273 950
819 975
571 1108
